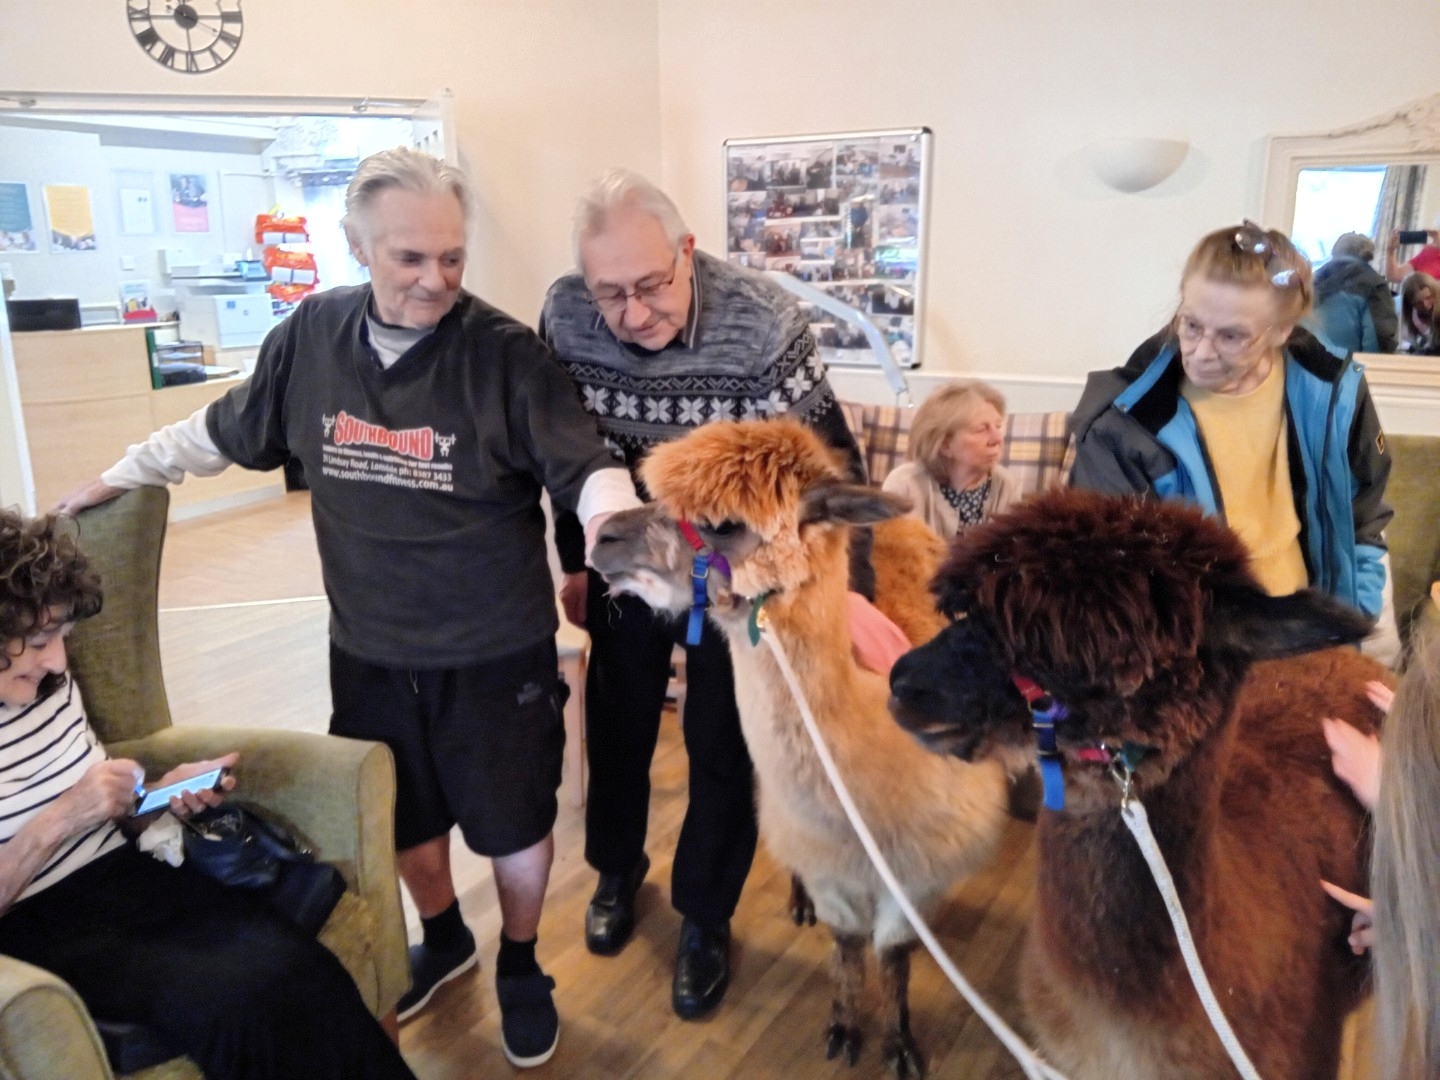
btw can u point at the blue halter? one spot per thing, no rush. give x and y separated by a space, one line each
1045 713
705 558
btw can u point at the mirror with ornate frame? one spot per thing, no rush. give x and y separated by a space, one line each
1372 176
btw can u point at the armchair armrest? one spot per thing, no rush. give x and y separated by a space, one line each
45 1029
337 794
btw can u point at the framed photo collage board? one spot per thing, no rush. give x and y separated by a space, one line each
845 213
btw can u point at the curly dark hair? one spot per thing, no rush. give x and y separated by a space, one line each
41 568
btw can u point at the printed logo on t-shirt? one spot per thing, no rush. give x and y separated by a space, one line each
355 449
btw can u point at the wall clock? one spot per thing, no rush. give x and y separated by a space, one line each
192 37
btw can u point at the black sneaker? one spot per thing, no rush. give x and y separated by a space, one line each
432 968
529 1024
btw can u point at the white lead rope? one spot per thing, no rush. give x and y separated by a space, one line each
1133 811
1035 1069
1138 822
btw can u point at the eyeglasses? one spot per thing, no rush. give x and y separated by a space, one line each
1229 341
1253 240
645 291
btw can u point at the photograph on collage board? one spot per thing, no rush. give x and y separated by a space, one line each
845 213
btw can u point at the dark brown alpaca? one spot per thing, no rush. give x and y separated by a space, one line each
1142 619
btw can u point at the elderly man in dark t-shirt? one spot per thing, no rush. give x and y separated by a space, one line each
427 423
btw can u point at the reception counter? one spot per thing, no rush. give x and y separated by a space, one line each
86 396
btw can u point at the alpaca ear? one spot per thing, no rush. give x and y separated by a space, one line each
1244 619
848 504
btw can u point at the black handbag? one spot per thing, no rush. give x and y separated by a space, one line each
238 847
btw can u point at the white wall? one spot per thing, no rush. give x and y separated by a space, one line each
1034 267
547 94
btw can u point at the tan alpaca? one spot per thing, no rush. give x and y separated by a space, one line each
768 496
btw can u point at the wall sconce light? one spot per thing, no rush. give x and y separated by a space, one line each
1136 164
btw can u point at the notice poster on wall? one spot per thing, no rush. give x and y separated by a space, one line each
72 225
17 229
137 215
190 202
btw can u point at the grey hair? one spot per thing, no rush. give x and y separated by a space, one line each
405 168
1405 872
948 409
621 189
1355 246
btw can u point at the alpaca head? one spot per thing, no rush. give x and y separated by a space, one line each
765 494
1140 617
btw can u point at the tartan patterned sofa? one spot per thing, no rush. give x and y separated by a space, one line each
1037 448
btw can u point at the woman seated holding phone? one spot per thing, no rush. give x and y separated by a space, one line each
212 970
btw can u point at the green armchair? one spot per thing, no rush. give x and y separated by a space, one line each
1414 534
338 794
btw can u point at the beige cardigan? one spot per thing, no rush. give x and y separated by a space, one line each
914 482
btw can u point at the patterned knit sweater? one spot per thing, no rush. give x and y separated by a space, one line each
746 353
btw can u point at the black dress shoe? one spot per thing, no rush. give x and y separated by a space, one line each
610 918
702 970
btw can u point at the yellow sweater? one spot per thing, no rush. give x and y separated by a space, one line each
1245 436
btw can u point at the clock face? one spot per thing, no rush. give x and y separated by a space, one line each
192 37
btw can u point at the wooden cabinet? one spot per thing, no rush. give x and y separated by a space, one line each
86 396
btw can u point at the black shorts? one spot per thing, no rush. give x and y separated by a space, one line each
480 747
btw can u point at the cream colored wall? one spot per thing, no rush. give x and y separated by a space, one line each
547 94
1034 267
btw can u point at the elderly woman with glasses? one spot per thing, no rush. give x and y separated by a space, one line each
1236 408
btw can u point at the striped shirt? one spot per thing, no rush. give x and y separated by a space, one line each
45 748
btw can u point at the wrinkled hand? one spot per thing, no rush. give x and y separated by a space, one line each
192 802
877 642
574 594
92 494
105 793
1355 759
1362 927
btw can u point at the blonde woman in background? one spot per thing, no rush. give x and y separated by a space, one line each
1400 782
953 478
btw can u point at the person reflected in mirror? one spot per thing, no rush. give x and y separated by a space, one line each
954 478
1418 294
1424 261
1236 408
1354 311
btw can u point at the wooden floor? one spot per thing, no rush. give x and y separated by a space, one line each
231 660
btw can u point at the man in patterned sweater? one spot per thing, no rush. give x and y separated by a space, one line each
661 338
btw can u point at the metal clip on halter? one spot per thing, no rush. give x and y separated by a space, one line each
1124 777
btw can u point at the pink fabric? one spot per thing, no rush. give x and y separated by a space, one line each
1427 261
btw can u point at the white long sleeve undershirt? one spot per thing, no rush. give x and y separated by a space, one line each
185 448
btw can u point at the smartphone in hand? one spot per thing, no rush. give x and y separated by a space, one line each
1414 236
159 798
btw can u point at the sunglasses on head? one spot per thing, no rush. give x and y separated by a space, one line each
1253 240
